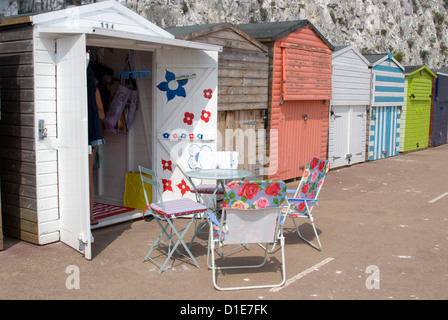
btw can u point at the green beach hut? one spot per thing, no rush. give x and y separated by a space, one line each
416 113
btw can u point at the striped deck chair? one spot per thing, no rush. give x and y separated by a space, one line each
164 213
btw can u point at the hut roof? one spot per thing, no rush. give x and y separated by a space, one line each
271 31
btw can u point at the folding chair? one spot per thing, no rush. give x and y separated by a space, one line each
305 196
164 213
250 211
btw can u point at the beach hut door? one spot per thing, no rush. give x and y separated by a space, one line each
186 117
72 143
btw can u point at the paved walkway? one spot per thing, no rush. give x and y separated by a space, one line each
383 226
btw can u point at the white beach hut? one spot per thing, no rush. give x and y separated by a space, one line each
348 112
44 160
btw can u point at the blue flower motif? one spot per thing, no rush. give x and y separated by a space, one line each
166 135
172 86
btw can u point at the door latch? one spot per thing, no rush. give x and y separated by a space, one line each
42 130
348 157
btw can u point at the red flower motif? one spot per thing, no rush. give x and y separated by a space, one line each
205 116
167 185
249 190
166 165
272 190
208 93
188 118
313 163
321 166
305 188
183 187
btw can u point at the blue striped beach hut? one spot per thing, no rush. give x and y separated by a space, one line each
386 101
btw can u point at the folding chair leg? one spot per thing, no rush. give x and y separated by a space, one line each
319 246
215 268
175 247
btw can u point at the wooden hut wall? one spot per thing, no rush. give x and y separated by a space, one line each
243 73
17 147
300 94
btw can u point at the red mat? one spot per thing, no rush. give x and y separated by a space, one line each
102 210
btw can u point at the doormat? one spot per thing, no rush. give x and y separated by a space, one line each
102 210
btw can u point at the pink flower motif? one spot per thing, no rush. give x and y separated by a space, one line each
208 93
205 116
166 165
261 203
311 195
232 185
314 176
188 118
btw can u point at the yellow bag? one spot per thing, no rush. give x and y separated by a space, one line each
133 191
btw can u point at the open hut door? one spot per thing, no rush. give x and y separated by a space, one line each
185 116
72 143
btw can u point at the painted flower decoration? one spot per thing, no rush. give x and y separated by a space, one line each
183 187
166 165
167 185
208 93
205 116
173 87
188 118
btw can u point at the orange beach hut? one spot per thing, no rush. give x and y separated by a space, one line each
300 90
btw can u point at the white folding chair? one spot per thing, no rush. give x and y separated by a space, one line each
250 215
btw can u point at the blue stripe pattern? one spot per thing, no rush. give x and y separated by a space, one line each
384 132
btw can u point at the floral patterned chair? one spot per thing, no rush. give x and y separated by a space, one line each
250 215
305 196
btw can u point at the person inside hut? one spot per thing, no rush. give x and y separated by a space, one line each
95 114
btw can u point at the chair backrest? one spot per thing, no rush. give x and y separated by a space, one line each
313 178
252 208
150 177
217 159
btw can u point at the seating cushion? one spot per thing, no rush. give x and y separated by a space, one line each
208 188
178 207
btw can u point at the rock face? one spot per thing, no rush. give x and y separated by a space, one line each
415 31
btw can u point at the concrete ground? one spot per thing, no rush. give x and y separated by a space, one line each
383 226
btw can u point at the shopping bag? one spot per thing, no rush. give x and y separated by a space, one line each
133 191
